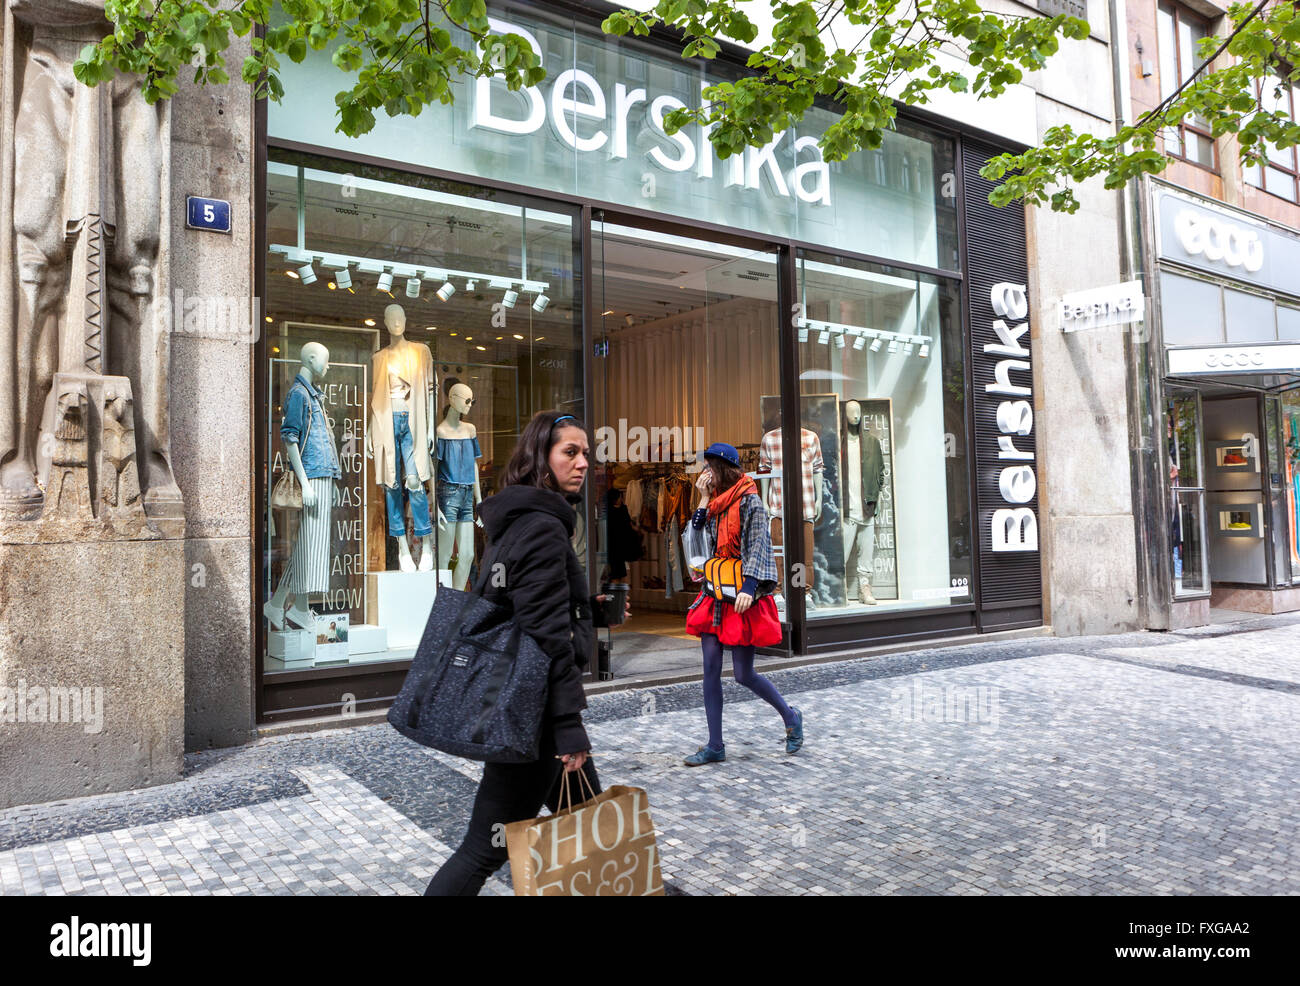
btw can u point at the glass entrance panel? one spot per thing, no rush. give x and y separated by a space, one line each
685 354
1187 494
1290 442
882 404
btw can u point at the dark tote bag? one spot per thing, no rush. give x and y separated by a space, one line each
477 685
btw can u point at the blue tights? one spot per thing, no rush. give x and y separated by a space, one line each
742 666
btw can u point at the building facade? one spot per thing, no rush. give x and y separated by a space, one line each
1221 357
396 307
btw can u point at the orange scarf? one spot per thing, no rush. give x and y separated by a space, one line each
726 507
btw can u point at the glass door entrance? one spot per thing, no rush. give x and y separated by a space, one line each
685 354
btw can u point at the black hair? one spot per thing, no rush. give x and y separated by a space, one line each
530 464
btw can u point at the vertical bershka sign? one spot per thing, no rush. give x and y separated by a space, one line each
1002 398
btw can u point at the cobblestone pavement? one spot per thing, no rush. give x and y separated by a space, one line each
1131 764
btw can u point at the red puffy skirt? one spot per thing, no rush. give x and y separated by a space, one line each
758 626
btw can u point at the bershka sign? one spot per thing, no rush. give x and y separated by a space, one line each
1113 305
1013 527
590 116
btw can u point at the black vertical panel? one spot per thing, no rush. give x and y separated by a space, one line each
1010 589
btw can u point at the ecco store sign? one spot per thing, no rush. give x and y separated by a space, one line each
1219 239
1198 233
589 115
1015 526
1278 357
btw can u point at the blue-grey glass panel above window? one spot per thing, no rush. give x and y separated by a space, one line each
1191 311
1249 317
1288 323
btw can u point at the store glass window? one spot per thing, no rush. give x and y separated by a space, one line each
413 325
1187 494
1191 310
884 454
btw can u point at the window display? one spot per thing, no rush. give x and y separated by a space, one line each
1188 491
892 419
399 414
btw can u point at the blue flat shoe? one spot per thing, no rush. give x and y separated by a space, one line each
705 754
794 734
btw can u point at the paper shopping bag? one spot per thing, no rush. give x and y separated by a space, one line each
603 847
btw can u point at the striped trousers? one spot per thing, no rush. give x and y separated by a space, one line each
309 563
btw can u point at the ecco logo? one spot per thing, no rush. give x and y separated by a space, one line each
1236 246
1235 357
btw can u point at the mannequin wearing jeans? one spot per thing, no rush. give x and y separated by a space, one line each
457 487
400 436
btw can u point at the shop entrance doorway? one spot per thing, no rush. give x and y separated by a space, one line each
1249 467
685 353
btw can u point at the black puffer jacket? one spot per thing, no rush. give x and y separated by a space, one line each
529 567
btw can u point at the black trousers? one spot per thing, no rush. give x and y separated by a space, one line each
508 792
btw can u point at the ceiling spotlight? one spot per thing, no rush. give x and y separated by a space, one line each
307 273
907 349
539 305
331 285
343 279
803 331
824 336
370 322
481 349
509 298
839 340
629 320
925 349
446 291
875 344
291 273
610 312
269 319
893 345
386 281
469 286
860 341
413 287
519 337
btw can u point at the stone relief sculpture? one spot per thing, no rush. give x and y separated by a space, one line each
68 477
83 265
119 482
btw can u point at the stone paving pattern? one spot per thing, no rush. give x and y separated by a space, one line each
1129 764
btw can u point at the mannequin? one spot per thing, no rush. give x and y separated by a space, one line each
317 469
864 475
457 487
770 457
402 416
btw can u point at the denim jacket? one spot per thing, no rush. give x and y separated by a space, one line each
319 458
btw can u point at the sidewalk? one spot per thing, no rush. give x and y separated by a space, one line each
1131 764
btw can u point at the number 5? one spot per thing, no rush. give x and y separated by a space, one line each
209 214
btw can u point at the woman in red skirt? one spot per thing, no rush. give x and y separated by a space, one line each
731 522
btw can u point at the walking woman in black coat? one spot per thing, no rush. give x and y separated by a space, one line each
527 567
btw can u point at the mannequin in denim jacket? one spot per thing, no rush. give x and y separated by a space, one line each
283 605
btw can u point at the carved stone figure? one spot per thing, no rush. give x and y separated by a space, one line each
119 483
83 272
68 482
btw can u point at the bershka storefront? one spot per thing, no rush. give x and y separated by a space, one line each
858 330
1229 302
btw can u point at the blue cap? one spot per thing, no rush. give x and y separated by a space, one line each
725 452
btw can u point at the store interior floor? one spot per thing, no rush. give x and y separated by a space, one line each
652 643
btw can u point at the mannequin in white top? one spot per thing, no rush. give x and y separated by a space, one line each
283 604
403 378
456 483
